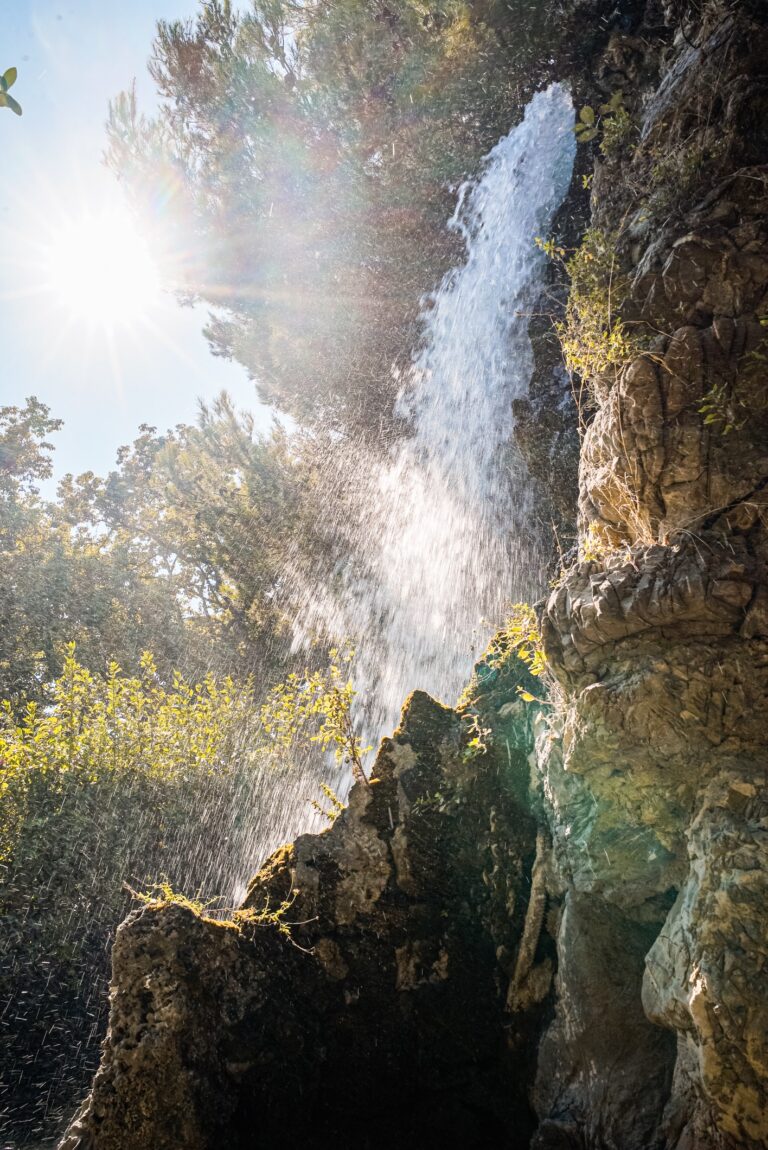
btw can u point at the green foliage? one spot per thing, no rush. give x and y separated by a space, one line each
728 407
521 638
7 80
98 729
475 738
317 706
162 894
595 340
251 916
335 805
116 778
181 548
720 409
592 545
586 126
311 152
618 126
514 660
613 124
25 451
441 802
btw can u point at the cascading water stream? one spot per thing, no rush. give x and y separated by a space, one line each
435 537
440 535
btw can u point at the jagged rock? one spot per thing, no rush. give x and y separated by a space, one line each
653 759
382 1018
592 1078
707 973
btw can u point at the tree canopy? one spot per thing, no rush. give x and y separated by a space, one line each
301 169
180 549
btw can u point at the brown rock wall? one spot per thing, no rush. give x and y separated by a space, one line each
653 760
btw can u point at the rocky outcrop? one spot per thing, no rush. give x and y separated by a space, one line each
583 964
653 759
376 1015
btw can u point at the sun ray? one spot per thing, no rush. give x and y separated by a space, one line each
99 271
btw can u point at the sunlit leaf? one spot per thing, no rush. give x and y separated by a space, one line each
584 136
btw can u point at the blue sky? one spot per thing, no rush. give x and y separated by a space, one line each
72 57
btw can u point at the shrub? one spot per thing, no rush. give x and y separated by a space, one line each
595 340
317 706
118 779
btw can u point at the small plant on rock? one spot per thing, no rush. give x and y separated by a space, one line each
612 120
520 637
477 737
161 893
595 340
335 805
250 916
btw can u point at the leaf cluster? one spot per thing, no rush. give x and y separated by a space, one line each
335 804
181 549
310 153
7 80
96 728
316 706
115 778
162 894
596 341
519 638
612 121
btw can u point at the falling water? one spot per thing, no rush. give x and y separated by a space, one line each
440 535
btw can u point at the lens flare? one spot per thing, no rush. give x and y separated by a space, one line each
100 271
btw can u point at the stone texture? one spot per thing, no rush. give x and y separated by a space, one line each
652 761
382 1019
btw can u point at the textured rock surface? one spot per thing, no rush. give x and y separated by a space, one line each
389 1024
653 761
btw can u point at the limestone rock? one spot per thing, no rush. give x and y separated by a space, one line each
381 1020
653 761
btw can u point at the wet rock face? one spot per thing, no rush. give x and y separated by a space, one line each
601 963
653 758
382 1020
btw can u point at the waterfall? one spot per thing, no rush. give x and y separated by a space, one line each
436 537
440 531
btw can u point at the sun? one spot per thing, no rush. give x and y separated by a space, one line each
99 270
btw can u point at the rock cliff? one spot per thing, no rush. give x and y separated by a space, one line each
557 938
653 756
381 1015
